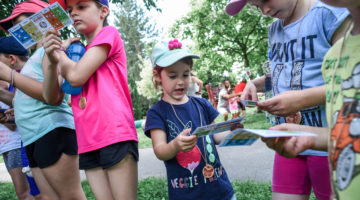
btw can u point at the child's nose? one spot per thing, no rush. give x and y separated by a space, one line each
73 13
181 81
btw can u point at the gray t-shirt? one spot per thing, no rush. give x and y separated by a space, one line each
223 102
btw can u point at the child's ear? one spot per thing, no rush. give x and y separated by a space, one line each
13 60
104 12
156 75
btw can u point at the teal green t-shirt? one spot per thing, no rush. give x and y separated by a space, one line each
35 118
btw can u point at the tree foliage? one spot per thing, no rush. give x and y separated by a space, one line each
135 29
223 40
145 85
6 7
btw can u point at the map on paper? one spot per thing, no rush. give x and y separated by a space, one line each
31 30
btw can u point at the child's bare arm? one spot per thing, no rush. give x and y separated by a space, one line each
75 73
78 73
167 151
52 92
220 136
290 102
6 96
29 86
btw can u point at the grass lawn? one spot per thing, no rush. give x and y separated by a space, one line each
156 189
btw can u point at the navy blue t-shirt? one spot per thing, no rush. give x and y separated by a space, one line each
184 172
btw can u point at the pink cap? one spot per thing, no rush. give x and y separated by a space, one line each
31 6
235 6
63 2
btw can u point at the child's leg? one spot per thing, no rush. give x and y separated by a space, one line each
99 183
56 155
46 191
320 176
64 177
112 170
123 178
13 164
291 178
226 115
234 114
282 196
20 184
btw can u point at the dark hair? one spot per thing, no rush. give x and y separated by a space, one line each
187 60
27 14
99 5
21 57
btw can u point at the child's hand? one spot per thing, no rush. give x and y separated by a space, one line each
67 42
283 104
184 143
3 118
289 147
7 116
52 45
249 92
10 112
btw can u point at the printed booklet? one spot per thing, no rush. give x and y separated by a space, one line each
249 136
31 30
241 136
218 127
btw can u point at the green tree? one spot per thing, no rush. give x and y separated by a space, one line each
145 85
222 40
135 30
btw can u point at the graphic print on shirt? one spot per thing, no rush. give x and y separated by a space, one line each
188 160
5 137
285 53
346 132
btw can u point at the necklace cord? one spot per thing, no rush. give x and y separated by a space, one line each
296 47
201 124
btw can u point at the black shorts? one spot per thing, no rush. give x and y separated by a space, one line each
108 156
47 150
240 105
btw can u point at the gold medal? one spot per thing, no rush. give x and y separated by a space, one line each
82 102
208 171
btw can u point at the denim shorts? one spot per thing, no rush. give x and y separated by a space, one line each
12 159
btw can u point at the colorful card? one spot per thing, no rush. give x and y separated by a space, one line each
249 136
31 30
218 127
249 103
